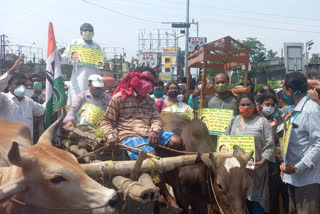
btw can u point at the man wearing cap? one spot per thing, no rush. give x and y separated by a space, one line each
80 73
94 95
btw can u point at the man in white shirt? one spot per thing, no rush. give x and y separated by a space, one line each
14 106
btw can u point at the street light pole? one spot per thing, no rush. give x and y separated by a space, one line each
187 40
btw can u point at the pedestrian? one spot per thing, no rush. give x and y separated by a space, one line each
268 109
172 103
132 119
80 73
223 99
301 166
249 123
95 95
15 106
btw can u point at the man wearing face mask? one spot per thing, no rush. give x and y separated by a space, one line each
224 99
301 166
15 106
132 118
94 95
80 73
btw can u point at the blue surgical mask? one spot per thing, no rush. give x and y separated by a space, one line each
28 92
19 91
158 93
289 100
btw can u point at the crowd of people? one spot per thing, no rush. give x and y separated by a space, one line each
132 117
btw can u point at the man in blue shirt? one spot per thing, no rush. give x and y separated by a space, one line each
301 166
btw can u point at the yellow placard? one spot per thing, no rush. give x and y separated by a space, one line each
226 143
286 137
86 56
217 120
90 114
165 77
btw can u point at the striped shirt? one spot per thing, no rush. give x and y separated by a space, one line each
304 144
130 117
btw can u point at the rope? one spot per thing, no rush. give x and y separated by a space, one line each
169 149
178 151
139 150
154 170
93 153
111 168
214 193
54 209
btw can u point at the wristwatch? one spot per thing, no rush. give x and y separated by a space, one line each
296 170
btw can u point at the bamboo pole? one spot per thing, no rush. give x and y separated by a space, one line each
124 168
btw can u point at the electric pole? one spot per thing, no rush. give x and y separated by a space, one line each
3 52
187 41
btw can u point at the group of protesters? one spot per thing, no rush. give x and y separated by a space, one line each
132 117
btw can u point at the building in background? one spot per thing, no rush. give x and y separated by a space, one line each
115 68
169 64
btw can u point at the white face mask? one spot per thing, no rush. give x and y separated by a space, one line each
267 111
28 92
19 91
180 98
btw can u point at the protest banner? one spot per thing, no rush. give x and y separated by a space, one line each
90 114
217 120
190 115
285 141
86 56
226 143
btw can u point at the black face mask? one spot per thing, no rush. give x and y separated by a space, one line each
173 94
96 92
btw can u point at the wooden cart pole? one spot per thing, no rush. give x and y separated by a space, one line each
204 82
188 80
246 75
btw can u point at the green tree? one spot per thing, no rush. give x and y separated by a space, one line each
258 56
315 59
271 54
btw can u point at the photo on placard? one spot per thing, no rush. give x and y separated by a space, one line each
226 143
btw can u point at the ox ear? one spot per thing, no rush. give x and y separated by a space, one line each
237 151
15 158
10 189
49 134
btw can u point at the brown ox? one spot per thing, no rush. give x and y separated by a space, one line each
45 179
229 176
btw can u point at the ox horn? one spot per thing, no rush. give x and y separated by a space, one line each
237 151
11 188
14 156
48 135
247 156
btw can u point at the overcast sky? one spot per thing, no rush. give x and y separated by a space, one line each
271 21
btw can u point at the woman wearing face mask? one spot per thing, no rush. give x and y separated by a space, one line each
268 109
172 103
249 123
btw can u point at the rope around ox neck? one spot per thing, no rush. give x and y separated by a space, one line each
55 210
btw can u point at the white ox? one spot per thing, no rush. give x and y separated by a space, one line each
44 179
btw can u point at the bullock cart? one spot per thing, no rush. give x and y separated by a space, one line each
135 180
221 55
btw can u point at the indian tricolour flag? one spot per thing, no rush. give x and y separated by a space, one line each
55 94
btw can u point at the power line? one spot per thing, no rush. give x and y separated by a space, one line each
266 14
120 13
268 27
270 21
